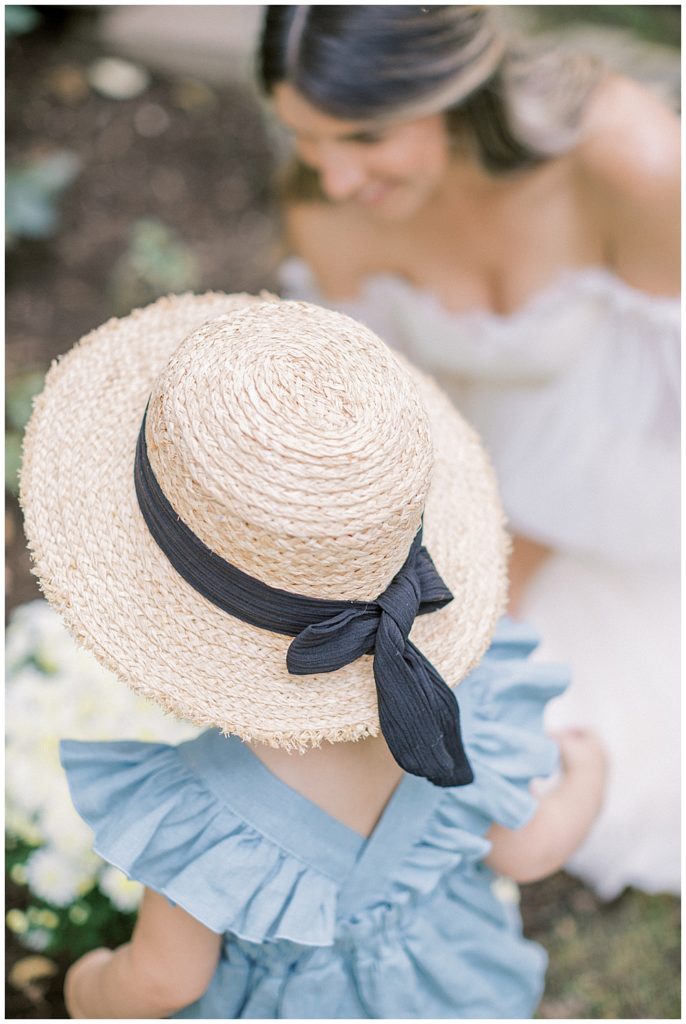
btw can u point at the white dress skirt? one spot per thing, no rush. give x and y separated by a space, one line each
576 395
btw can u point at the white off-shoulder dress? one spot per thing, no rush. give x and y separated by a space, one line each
576 396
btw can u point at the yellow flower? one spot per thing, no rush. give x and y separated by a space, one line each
79 914
17 921
44 917
18 874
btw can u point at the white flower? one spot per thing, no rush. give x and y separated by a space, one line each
124 893
55 690
36 938
31 702
505 890
55 878
66 832
28 622
24 785
22 826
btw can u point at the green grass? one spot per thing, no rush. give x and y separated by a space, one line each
610 961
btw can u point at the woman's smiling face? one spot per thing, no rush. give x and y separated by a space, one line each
390 169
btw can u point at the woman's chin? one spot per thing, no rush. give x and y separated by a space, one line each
393 203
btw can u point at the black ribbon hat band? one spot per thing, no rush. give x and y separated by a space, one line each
418 711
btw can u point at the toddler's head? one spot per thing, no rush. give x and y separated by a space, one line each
235 502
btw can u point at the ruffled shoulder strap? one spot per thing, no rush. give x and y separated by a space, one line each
155 819
502 702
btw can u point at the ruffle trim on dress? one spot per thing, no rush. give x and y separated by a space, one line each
502 703
574 284
156 821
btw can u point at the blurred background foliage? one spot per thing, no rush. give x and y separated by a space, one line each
20 18
658 23
32 192
134 173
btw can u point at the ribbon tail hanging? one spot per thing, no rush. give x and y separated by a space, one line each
419 715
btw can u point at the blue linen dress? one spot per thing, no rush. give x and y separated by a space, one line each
319 922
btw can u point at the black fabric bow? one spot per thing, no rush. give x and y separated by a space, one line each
418 711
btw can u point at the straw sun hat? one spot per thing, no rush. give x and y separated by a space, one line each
299 449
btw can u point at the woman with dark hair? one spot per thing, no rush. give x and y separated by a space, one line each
509 219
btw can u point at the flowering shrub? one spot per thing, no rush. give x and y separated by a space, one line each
57 690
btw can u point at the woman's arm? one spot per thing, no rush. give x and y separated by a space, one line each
526 558
629 166
168 964
563 818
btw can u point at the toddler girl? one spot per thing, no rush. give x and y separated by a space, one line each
262 519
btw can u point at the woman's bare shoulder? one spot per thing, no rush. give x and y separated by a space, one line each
334 241
630 141
628 167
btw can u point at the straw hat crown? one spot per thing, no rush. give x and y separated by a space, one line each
293 443
299 449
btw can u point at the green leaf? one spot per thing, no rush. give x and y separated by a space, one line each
12 461
156 262
20 18
19 397
32 192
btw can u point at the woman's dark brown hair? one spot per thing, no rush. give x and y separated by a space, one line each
513 106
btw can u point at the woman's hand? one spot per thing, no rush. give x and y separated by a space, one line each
80 975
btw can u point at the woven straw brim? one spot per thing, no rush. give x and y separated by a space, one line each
121 599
